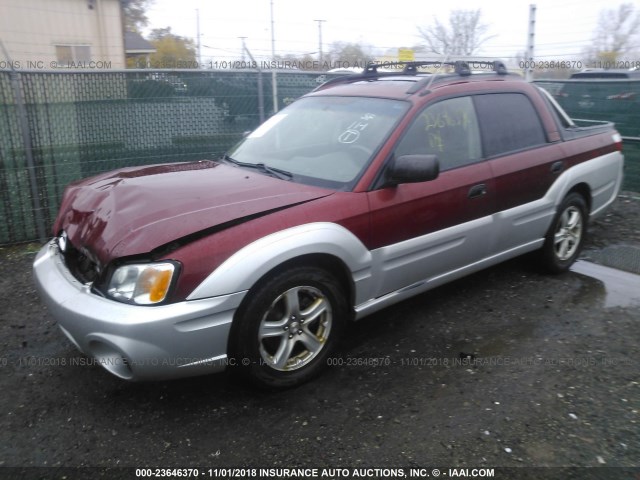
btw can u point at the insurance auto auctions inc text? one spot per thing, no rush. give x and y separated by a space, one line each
349 473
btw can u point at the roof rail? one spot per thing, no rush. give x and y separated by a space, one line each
461 67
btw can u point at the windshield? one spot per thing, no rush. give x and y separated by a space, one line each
322 141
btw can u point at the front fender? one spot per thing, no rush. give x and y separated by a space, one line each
245 267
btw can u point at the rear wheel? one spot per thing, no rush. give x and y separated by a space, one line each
565 238
289 327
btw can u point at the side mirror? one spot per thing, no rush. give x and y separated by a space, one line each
412 169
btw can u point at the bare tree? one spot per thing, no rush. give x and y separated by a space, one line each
617 33
464 35
349 54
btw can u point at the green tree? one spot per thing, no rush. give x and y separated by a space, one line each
134 13
464 35
172 51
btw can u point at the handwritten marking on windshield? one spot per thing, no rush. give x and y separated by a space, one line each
352 133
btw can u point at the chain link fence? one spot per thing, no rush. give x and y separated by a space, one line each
57 127
615 101
60 126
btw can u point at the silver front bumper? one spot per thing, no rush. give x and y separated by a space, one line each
137 342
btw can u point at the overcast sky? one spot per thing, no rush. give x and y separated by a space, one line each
564 28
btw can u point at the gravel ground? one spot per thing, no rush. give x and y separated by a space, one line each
505 368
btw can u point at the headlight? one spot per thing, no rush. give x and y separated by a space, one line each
63 242
143 284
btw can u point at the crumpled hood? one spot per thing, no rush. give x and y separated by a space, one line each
135 210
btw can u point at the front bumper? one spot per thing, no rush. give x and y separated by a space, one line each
137 342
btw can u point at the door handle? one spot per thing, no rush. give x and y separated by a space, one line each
557 167
477 191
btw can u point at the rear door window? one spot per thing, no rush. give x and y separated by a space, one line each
508 122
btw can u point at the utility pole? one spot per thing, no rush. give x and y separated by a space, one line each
260 94
531 42
320 38
198 33
274 79
244 47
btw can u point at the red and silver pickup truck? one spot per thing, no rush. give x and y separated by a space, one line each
374 188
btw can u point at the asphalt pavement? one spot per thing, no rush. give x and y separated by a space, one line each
506 368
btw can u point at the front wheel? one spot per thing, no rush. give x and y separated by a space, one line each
289 327
566 236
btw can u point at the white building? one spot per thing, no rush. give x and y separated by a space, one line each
45 34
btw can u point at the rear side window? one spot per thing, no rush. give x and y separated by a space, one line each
447 129
508 122
560 114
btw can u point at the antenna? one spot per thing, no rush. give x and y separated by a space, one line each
437 70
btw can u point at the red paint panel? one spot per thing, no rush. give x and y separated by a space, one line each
525 176
202 256
135 210
411 210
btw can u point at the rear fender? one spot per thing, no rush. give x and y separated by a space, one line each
603 175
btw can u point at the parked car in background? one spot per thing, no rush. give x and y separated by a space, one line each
374 188
608 74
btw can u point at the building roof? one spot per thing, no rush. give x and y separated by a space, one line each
135 43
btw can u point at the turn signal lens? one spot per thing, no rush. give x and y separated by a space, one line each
142 284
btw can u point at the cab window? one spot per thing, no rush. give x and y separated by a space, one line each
509 123
447 129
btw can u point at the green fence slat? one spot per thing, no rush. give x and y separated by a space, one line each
84 123
616 101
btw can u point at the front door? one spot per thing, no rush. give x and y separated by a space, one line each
421 231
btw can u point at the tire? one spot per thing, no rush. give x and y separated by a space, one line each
565 237
289 327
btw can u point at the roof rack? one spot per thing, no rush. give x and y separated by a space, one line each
461 67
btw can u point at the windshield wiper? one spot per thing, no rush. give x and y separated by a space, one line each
274 172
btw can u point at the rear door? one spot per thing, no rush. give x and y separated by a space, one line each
421 231
523 163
